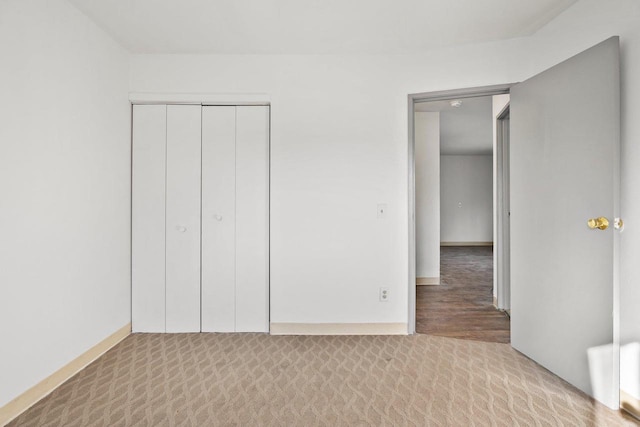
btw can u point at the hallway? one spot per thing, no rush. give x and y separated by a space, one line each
462 306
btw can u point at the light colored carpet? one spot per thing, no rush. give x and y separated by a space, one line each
261 380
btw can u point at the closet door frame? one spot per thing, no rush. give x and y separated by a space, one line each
237 100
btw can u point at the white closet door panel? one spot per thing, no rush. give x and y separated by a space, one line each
252 219
218 218
183 218
147 218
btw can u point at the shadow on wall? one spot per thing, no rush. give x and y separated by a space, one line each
601 374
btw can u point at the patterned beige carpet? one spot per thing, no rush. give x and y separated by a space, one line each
261 380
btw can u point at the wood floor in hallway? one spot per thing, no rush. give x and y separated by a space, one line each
462 306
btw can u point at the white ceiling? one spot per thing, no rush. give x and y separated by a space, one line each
467 129
314 26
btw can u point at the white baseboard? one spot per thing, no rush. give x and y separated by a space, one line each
427 280
27 399
466 243
338 328
630 404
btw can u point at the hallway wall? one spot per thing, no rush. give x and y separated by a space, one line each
427 167
466 194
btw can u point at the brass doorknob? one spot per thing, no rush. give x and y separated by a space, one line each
601 223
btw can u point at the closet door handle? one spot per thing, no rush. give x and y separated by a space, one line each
181 228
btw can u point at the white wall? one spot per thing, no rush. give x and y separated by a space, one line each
427 167
64 190
338 148
466 199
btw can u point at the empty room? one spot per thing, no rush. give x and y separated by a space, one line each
208 212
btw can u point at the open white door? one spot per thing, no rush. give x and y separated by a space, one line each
565 154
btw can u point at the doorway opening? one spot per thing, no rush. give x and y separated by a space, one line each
456 203
564 182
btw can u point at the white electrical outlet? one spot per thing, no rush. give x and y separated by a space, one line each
384 294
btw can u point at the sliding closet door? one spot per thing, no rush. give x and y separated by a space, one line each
147 218
183 218
252 219
218 219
